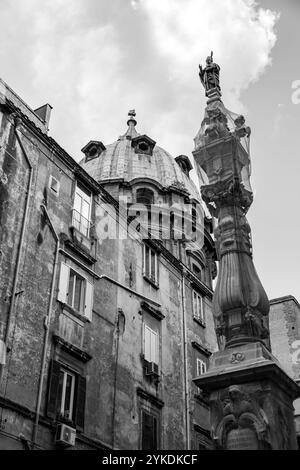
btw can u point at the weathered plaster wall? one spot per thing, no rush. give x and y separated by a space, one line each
284 322
115 372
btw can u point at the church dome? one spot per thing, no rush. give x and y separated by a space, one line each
133 157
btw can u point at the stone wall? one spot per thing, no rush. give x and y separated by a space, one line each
284 321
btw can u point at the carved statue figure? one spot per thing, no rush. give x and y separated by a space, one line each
240 129
209 76
216 123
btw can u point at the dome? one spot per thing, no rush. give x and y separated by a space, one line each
134 156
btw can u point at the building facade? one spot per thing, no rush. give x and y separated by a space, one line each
102 328
284 324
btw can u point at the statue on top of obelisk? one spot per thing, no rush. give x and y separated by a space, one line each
209 76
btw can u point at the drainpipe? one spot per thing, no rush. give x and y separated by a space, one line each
21 242
47 329
186 380
185 361
115 381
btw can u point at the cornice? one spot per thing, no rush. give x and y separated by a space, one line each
149 397
156 313
79 354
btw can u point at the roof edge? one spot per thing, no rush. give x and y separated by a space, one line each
285 298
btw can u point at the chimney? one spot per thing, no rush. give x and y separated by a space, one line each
44 113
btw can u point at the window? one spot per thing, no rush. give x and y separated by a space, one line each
66 395
198 309
66 389
149 431
82 210
197 270
151 345
142 144
143 147
93 149
54 185
92 153
200 370
200 367
150 264
75 291
144 196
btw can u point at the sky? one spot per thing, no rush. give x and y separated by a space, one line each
94 60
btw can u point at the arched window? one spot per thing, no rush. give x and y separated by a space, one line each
197 270
144 196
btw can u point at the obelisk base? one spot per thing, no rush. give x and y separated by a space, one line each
251 399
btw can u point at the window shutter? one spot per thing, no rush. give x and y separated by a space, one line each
154 347
153 266
53 389
147 350
63 283
89 299
80 401
203 309
194 303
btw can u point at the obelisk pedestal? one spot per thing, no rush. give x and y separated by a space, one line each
251 400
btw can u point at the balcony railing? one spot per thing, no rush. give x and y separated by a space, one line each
80 223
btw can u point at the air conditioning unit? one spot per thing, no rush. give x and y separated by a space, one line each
65 435
152 369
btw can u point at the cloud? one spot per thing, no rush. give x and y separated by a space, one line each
94 60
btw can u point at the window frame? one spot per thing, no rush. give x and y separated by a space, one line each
148 275
198 307
55 402
145 196
82 294
62 410
197 270
63 291
200 371
203 367
54 185
85 196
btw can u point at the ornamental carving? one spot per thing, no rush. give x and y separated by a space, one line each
237 357
239 421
